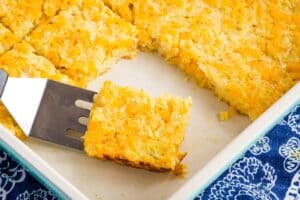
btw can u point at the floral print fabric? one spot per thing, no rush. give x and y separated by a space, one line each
17 183
269 170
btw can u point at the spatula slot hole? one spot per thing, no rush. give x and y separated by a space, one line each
83 120
74 134
83 104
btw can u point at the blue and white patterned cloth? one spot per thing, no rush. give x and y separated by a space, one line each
17 184
269 170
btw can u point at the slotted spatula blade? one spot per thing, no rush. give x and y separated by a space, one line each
46 109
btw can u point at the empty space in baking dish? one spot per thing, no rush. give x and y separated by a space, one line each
205 137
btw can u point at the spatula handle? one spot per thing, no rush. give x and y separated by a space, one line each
3 80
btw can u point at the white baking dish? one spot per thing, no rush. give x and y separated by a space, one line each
206 136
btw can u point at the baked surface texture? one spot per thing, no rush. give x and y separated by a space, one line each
240 49
7 39
84 40
21 16
130 127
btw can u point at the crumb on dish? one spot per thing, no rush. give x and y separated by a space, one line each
225 115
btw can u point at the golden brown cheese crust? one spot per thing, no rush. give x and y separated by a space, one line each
83 40
22 61
129 127
294 70
21 16
52 7
238 48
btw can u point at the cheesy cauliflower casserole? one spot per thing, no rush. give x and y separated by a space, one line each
242 50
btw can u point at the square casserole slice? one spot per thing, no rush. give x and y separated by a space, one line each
130 127
84 40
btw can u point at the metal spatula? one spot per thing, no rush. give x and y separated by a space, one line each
46 109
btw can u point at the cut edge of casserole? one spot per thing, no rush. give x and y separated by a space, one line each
239 49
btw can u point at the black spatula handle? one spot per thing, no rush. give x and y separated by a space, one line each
3 80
